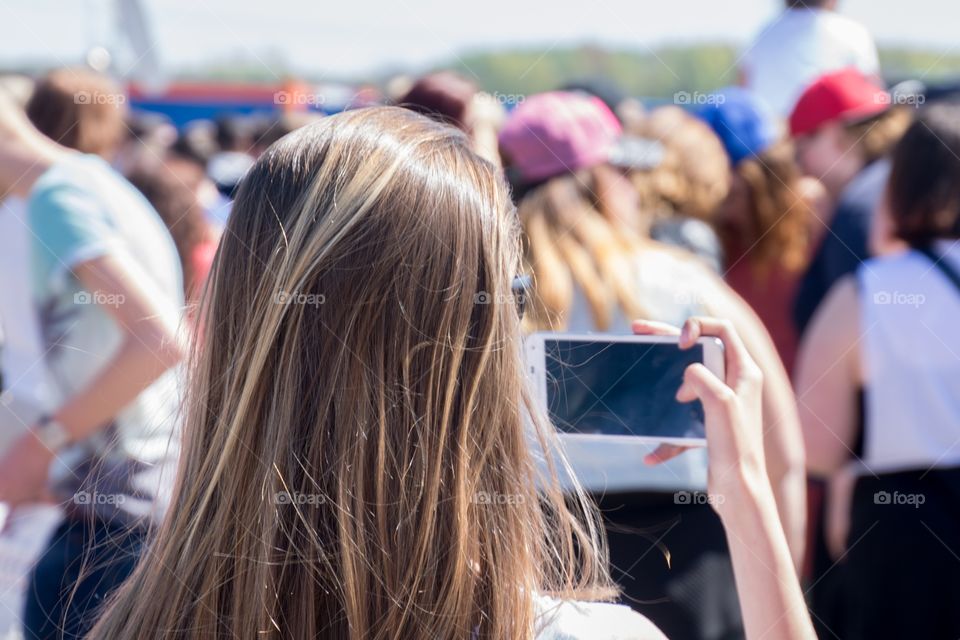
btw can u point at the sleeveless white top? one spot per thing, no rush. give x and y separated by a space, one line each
910 354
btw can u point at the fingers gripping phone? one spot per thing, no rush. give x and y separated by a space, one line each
612 386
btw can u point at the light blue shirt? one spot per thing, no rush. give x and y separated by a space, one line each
79 210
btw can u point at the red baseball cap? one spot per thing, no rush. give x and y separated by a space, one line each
557 132
846 95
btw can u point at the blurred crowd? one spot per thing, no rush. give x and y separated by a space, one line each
812 207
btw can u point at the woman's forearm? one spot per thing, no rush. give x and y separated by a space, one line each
771 600
783 436
135 366
790 492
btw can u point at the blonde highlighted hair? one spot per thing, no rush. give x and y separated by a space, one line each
357 459
579 237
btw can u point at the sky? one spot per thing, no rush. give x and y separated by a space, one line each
357 36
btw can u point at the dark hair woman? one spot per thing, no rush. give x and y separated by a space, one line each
890 331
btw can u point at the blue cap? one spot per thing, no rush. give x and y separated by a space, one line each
742 121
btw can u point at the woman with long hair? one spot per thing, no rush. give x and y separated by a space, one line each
359 446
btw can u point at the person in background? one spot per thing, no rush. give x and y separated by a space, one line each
889 332
80 109
843 127
592 271
232 159
680 190
106 284
189 158
183 214
149 136
269 130
410 507
455 100
808 39
766 220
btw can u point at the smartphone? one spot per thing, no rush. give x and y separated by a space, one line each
613 386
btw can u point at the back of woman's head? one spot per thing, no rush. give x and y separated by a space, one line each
924 187
693 177
773 227
578 212
765 217
577 238
355 460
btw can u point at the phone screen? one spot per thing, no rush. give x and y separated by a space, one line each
621 388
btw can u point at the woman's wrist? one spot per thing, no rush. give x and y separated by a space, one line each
746 496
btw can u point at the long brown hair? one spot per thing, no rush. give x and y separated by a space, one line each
357 457
692 179
577 234
777 230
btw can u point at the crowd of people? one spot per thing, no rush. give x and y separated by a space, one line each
246 358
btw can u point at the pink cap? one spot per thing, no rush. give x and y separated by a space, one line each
558 132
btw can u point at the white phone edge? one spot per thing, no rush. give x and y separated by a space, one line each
535 363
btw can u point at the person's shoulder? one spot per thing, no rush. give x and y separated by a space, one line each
62 186
878 267
575 620
73 177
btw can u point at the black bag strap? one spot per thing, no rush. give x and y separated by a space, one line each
945 267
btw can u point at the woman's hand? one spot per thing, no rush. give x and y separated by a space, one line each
770 595
732 408
23 471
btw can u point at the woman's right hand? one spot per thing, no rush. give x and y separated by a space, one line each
732 408
771 599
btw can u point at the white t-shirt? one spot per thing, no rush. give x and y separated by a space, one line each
799 46
567 620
